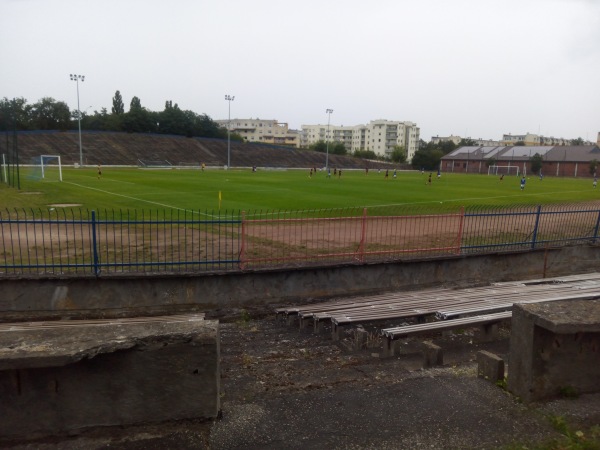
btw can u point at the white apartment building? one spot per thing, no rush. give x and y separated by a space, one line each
263 131
456 140
533 139
379 136
439 139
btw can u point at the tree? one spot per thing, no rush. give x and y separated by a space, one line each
536 162
136 103
337 148
15 114
138 120
48 114
319 146
97 121
577 141
446 147
365 154
118 106
466 142
398 154
429 159
206 127
173 120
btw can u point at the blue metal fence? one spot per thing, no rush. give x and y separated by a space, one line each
59 242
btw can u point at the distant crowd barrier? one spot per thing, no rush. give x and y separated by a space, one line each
59 242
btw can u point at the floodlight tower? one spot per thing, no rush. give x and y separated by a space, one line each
328 112
76 78
229 99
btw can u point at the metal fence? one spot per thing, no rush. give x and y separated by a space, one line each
80 242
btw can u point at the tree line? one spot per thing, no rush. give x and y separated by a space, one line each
50 114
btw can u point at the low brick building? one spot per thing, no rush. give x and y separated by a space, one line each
562 161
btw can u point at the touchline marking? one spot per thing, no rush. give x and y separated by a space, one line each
476 198
140 200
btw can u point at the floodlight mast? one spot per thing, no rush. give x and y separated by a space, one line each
229 99
328 112
76 78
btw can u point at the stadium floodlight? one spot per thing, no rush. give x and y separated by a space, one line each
76 78
229 98
328 112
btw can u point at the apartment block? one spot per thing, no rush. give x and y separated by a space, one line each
263 131
457 139
379 136
532 139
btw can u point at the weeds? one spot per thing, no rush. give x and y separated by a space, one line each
568 392
503 383
571 439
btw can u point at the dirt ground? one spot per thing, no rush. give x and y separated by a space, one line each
283 388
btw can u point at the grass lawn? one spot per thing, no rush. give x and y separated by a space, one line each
134 188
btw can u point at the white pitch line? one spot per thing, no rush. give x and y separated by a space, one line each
475 198
412 203
140 200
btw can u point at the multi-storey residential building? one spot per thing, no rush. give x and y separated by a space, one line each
457 139
533 139
379 136
439 139
263 131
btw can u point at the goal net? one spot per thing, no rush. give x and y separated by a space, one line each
154 164
503 170
47 167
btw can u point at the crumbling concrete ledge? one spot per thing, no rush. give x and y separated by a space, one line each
554 349
63 376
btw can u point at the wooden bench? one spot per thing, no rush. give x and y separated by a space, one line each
444 302
392 334
584 293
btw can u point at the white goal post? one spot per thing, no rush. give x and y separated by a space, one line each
503 170
47 160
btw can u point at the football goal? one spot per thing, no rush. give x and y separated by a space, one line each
503 170
50 167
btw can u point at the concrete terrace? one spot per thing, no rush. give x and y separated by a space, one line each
111 148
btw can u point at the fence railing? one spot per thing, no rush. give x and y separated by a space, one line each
81 242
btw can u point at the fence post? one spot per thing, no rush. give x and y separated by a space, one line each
461 227
535 229
596 229
363 237
243 246
95 245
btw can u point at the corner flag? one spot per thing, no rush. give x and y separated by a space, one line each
219 200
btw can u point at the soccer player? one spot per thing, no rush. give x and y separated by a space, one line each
523 181
99 171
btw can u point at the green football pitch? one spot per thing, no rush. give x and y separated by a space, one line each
243 190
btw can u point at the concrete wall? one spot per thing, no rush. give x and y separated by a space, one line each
161 294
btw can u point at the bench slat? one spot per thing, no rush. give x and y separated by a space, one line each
394 333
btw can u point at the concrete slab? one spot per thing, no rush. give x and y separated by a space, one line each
63 377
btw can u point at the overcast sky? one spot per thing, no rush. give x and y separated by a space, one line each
477 68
